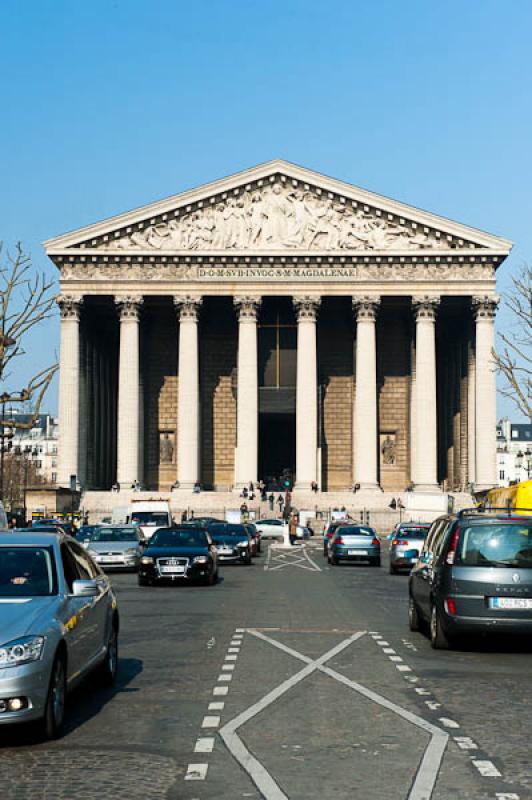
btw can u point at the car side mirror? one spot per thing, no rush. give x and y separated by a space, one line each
85 588
411 553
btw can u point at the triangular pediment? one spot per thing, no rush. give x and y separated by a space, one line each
276 207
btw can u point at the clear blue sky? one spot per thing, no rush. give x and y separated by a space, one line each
109 104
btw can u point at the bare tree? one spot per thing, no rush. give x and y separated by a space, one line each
20 472
26 299
514 359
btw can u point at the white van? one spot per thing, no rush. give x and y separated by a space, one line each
150 515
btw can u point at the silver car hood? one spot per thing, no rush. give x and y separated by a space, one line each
21 616
116 547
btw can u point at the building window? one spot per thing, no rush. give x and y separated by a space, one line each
54 477
501 475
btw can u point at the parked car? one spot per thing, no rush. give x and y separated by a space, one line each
232 541
255 537
328 534
354 543
182 553
410 535
474 575
271 528
117 546
58 621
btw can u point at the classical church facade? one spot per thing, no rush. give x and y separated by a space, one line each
277 322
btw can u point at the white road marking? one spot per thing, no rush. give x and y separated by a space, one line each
382 643
204 744
432 705
233 650
403 668
425 779
506 796
394 658
228 667
449 723
231 657
210 722
240 630
298 557
196 772
227 676
216 707
487 769
465 743
419 690
220 690
389 651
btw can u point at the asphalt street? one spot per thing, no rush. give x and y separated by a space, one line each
288 679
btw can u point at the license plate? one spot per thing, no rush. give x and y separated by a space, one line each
111 559
175 569
512 603
357 552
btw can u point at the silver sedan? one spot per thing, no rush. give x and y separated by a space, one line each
116 546
58 621
408 536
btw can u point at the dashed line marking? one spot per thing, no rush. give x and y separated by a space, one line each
403 668
220 690
506 796
234 650
465 743
394 658
419 690
216 707
210 722
196 772
227 676
228 667
448 723
487 769
231 657
204 744
389 651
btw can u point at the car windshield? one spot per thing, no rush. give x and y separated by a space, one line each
413 533
271 522
351 530
85 532
181 537
228 530
26 572
114 535
506 545
149 518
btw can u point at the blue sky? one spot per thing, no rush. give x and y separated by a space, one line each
112 104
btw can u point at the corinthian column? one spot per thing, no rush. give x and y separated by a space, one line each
484 309
69 389
128 467
306 392
365 412
247 415
188 464
426 440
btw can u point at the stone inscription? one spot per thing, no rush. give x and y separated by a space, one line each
280 216
277 273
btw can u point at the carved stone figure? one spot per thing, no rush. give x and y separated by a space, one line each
388 450
278 216
166 449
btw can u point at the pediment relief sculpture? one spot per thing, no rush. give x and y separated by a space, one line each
280 216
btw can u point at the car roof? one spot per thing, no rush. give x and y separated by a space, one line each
36 538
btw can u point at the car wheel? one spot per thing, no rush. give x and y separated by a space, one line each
333 561
414 619
107 671
438 638
55 702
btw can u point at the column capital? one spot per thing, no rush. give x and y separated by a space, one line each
425 307
129 306
484 307
247 307
187 307
366 307
306 307
69 305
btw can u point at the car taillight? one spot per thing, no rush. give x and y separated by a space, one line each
450 605
339 540
400 541
375 540
451 555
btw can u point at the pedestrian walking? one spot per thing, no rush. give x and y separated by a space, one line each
244 512
280 503
271 501
292 527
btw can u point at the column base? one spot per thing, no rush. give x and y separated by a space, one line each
185 486
300 486
427 488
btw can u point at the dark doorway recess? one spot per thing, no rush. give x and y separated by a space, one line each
277 445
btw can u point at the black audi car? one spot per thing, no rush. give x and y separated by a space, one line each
232 541
183 553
